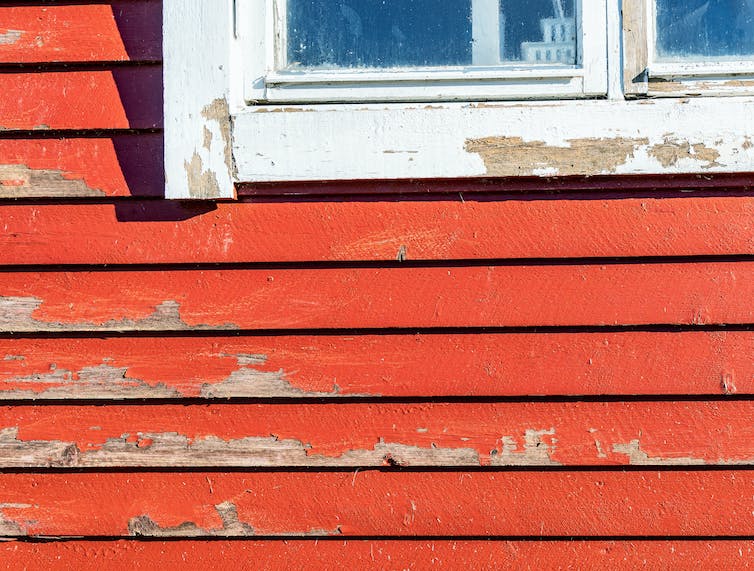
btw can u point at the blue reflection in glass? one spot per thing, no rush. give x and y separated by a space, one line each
378 33
422 33
699 29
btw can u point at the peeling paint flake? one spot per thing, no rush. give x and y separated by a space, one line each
145 526
671 151
19 314
219 111
637 456
10 37
203 183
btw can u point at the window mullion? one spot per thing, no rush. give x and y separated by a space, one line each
486 32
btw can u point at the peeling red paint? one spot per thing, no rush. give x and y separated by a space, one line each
367 503
557 295
389 365
528 434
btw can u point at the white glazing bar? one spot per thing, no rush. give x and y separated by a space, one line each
614 50
486 36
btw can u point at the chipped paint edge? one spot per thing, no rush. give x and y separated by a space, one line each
198 160
662 136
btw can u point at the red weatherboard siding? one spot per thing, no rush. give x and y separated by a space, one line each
369 503
489 296
344 231
81 100
462 434
673 266
645 363
75 167
89 33
378 555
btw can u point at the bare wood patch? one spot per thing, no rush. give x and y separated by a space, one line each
671 151
17 314
20 181
145 526
219 112
203 183
512 156
10 37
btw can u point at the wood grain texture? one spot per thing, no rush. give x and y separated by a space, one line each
368 503
126 165
486 296
110 31
277 555
364 435
328 231
537 364
126 98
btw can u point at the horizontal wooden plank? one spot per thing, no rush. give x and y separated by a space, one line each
126 165
328 231
367 503
123 98
541 364
382 554
363 435
221 299
109 31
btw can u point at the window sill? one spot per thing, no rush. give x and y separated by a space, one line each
502 139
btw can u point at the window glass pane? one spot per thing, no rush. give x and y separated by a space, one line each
332 34
701 29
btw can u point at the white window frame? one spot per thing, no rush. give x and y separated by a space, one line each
487 79
681 78
214 139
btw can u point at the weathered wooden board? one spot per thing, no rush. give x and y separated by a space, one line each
363 435
330 231
123 98
109 31
334 555
697 293
125 165
541 364
368 503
